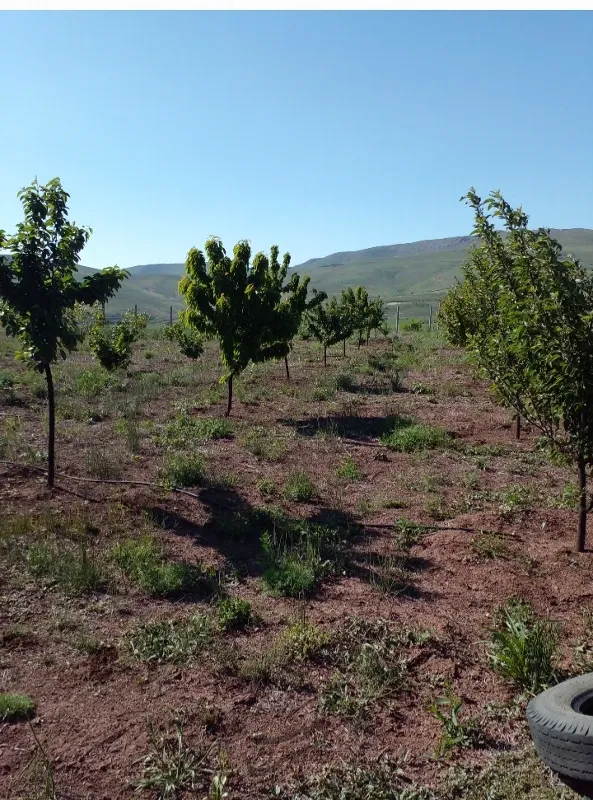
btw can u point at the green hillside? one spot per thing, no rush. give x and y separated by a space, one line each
418 272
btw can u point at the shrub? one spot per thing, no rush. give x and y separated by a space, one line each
183 470
411 325
112 344
234 614
523 649
344 382
409 436
299 487
174 641
189 340
15 707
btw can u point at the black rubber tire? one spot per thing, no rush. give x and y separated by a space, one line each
562 727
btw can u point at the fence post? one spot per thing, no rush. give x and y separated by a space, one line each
430 319
170 316
135 309
397 320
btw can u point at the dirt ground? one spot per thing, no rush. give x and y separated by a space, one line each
498 522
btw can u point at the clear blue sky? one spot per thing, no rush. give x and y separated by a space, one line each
317 131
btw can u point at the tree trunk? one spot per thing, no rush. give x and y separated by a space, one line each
324 356
230 401
582 531
51 445
518 426
287 370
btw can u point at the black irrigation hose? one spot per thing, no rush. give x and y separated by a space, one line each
99 480
435 529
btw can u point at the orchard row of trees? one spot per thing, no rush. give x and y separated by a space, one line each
251 307
526 315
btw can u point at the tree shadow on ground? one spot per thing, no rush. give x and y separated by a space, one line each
235 528
391 574
362 429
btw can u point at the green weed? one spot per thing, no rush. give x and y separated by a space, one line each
15 707
299 487
234 614
454 731
183 470
143 562
523 649
170 641
409 436
349 470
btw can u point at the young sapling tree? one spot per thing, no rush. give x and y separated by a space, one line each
39 289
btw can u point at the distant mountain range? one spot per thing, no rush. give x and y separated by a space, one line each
413 272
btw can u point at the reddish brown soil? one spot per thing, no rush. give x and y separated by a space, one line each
92 710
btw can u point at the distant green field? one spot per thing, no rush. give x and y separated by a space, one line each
415 274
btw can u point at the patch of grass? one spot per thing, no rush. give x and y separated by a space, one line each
437 509
187 430
15 707
143 562
488 545
344 382
101 464
75 567
349 470
379 780
510 776
299 487
393 504
265 443
524 649
235 614
372 667
129 428
409 436
288 576
303 641
321 392
299 554
390 575
170 641
267 487
92 382
567 499
172 766
514 500
184 470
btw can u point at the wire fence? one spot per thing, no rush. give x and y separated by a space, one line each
398 314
